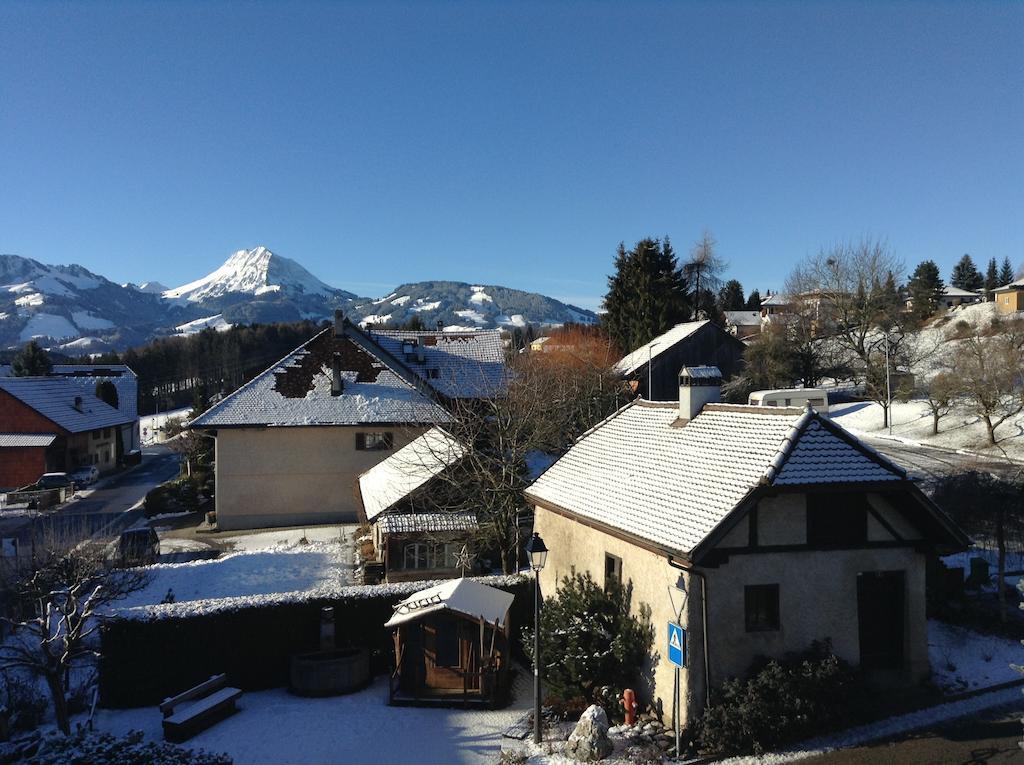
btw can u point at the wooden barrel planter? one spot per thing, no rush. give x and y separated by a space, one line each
329 673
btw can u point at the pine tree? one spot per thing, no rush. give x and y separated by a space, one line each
730 297
1006 273
991 278
754 301
31 361
966 275
647 295
925 288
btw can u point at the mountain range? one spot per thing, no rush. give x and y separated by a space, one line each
75 311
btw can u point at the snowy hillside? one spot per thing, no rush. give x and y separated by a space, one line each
254 272
458 305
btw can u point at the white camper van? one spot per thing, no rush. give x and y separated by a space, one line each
799 397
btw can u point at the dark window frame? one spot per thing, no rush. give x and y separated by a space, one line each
761 609
615 572
837 520
382 441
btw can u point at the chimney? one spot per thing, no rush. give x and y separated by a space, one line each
78 403
698 386
440 326
339 322
337 384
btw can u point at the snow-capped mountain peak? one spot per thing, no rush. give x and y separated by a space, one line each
253 272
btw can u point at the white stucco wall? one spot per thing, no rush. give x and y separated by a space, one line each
293 476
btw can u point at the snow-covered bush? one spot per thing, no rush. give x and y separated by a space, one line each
780 702
88 748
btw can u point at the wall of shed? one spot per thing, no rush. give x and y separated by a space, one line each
710 345
294 476
20 466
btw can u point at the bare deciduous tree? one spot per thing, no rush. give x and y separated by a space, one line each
940 395
989 369
69 584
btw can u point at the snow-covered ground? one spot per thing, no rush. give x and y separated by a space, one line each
274 727
148 424
963 660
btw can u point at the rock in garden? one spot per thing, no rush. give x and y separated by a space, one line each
589 739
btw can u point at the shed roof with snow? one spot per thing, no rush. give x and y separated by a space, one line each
637 358
680 483
460 596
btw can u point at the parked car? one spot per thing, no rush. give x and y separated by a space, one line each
137 547
86 475
54 481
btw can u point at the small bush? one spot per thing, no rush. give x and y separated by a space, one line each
88 748
24 700
782 702
961 330
158 501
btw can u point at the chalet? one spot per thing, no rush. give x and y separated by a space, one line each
56 424
452 646
1010 297
690 344
758 529
292 442
954 296
413 536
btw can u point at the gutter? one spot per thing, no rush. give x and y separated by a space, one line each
704 625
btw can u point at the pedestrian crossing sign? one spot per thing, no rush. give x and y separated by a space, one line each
676 645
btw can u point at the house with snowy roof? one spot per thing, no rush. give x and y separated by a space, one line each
1010 297
652 369
758 529
292 442
402 499
58 423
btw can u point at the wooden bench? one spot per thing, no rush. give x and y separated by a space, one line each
198 708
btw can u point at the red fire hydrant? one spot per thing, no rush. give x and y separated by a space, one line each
629 704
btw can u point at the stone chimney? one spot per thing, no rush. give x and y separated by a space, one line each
337 384
698 386
440 326
339 322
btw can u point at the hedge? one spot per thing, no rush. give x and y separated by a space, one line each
144 661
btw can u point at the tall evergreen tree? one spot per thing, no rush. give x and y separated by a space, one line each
647 294
925 288
754 301
730 297
966 275
991 278
31 361
1006 273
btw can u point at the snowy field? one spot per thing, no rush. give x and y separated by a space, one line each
285 561
148 424
963 660
354 728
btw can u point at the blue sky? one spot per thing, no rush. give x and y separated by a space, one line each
506 143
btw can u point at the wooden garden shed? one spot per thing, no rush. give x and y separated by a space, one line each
452 646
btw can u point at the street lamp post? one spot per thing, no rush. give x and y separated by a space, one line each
538 553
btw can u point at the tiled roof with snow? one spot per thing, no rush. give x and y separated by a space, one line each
641 473
1017 285
633 361
54 398
456 364
297 391
18 440
405 523
406 470
743 318
950 291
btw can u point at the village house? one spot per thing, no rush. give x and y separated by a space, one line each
58 423
652 368
413 536
758 529
291 443
1010 297
743 324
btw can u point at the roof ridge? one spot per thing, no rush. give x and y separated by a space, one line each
789 442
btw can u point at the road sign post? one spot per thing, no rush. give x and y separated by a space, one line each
676 657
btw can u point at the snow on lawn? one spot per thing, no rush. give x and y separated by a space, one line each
280 538
958 430
965 660
275 727
318 566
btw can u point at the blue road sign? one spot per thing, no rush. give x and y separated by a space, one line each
676 645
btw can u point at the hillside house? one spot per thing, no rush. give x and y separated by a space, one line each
1010 297
692 343
413 536
292 442
776 523
56 424
743 324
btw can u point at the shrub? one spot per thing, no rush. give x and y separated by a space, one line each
24 700
88 748
781 702
589 639
961 330
158 501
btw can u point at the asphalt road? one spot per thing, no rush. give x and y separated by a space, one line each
105 507
928 464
